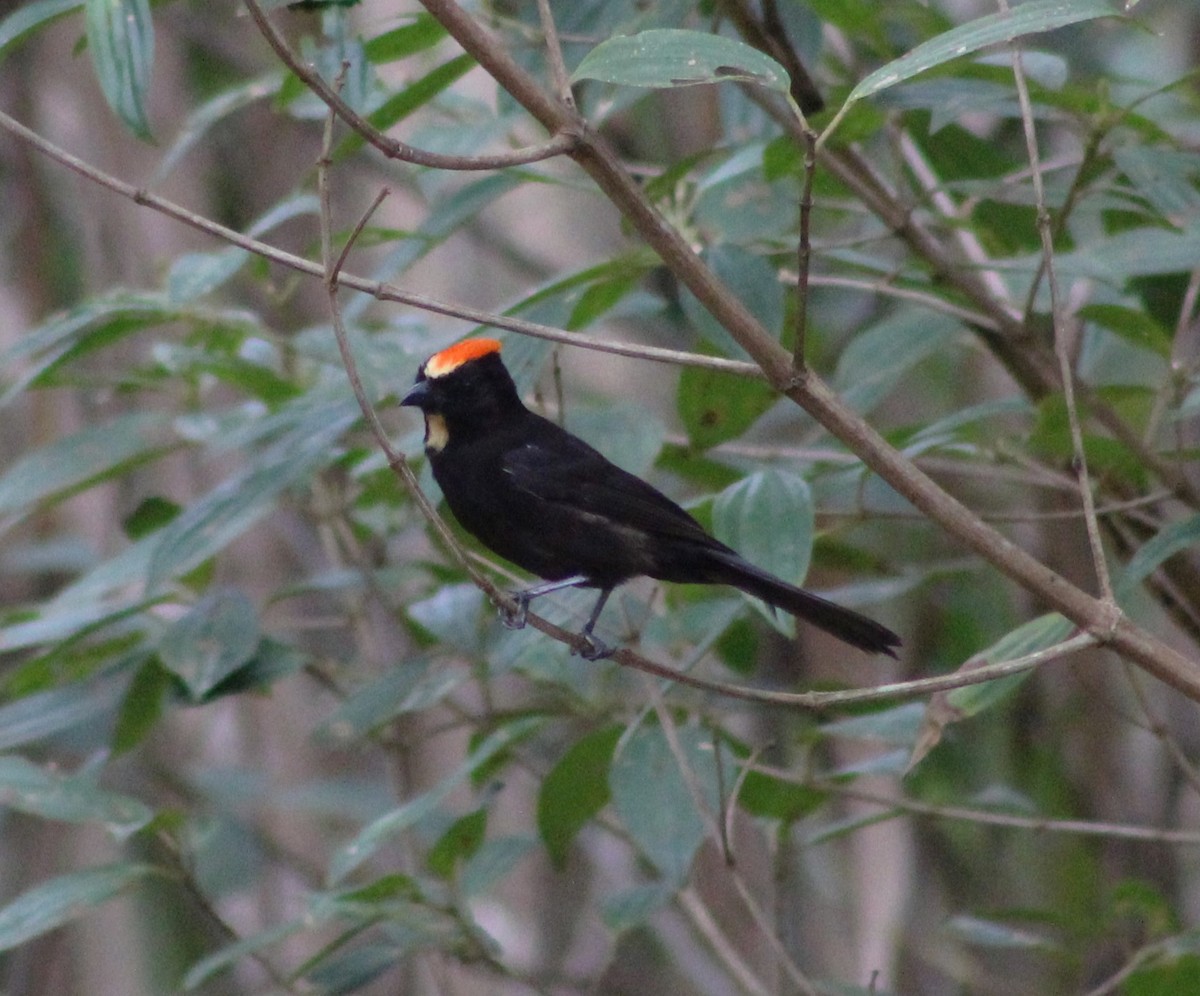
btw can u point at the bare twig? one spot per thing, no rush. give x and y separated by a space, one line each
558 68
380 290
1061 347
391 147
988 817
804 251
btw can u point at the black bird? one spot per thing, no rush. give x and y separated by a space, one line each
550 503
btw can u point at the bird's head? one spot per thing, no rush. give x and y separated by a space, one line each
462 390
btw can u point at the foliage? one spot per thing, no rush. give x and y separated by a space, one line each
239 664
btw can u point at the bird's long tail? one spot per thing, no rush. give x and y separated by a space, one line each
847 625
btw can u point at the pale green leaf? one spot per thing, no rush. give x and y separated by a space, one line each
62 899
217 636
53 795
376 834
652 798
32 16
668 57
1172 539
991 29
120 37
768 518
72 461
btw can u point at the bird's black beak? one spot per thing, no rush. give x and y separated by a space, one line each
419 395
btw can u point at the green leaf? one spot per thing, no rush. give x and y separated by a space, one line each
1173 539
62 899
894 725
992 29
53 795
768 518
996 934
772 798
45 714
459 843
872 365
197 273
1037 634
151 514
1138 252
228 956
376 834
141 706
65 618
205 527
451 615
1134 325
627 434
408 687
212 112
492 863
653 800
121 41
409 99
635 906
88 456
31 17
99 322
668 57
1165 177
399 43
1164 977
753 279
218 635
194 274
717 406
574 791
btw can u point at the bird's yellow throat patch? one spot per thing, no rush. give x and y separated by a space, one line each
449 360
437 435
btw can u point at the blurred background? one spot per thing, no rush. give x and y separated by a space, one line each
229 646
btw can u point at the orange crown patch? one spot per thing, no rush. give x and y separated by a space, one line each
449 360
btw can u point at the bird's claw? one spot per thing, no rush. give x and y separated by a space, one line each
517 618
593 648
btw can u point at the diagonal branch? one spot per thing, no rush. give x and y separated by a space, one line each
805 388
390 147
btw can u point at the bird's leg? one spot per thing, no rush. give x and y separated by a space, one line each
595 649
516 620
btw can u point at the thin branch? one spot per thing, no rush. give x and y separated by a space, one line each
714 824
885 288
558 68
804 251
339 264
1179 371
1066 374
396 460
967 241
1018 348
380 290
987 817
1162 733
701 919
390 147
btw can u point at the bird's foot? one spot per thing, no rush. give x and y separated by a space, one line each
593 649
517 618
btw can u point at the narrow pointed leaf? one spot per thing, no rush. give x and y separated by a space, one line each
992 29
62 899
121 42
668 57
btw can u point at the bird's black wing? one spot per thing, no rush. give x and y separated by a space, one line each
553 466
